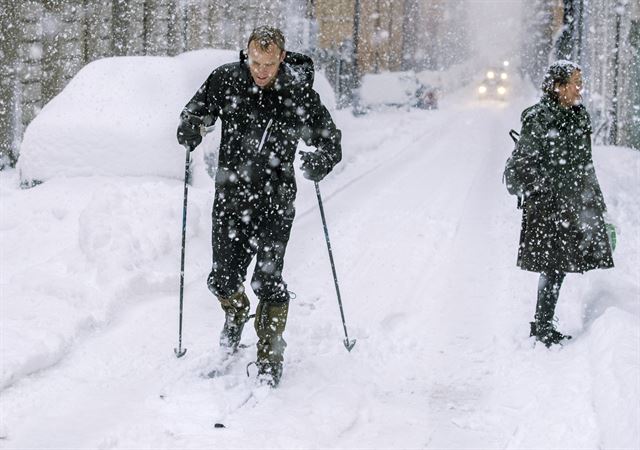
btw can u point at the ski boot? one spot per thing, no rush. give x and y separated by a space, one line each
236 309
270 321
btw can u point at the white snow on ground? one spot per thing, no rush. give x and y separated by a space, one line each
424 237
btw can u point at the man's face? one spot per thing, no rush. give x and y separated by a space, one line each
264 64
570 94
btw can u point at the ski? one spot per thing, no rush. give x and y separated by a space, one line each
226 364
251 399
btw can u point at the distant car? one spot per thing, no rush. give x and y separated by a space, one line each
427 97
396 89
495 84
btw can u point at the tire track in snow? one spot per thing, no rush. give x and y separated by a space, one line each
338 186
390 345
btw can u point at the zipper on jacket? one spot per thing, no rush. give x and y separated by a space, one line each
265 135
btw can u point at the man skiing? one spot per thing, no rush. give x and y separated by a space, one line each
266 104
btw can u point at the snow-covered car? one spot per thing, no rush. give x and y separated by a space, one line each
495 84
396 89
118 117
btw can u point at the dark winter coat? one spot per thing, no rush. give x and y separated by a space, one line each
260 132
562 224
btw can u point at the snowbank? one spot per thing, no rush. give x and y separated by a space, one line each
118 116
615 340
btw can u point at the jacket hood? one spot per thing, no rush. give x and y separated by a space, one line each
295 71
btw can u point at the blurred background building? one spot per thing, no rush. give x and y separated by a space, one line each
603 36
44 43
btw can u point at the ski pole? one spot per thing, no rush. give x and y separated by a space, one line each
181 351
347 343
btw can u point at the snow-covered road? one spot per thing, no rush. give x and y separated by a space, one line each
424 237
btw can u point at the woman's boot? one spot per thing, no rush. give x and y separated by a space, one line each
548 292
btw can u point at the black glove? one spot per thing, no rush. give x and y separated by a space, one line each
315 165
189 131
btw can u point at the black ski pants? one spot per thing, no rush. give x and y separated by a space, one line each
238 236
548 293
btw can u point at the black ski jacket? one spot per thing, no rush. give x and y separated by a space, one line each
261 129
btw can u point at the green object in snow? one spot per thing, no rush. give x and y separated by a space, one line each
611 232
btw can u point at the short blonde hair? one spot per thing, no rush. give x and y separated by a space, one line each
265 36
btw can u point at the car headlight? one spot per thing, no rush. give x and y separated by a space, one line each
502 90
503 76
491 75
482 89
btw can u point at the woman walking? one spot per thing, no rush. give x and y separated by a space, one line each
563 228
